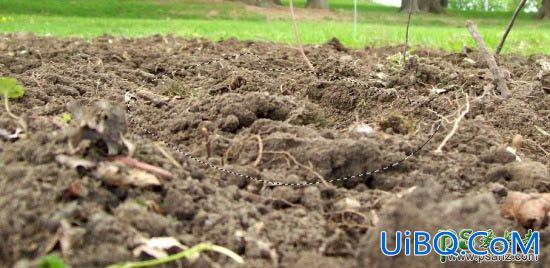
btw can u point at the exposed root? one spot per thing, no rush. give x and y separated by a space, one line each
308 168
455 125
260 150
18 120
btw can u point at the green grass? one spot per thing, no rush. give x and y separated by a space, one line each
378 26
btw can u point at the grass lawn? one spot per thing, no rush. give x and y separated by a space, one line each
378 25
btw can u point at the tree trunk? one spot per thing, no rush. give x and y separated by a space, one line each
432 6
262 3
544 12
411 5
322 4
444 3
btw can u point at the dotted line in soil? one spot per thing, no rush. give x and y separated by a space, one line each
331 77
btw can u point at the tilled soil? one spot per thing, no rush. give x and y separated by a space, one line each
265 115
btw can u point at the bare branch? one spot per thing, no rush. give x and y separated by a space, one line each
510 24
490 60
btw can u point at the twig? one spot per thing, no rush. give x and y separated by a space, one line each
455 125
143 166
287 154
407 35
260 150
490 60
298 39
510 25
354 18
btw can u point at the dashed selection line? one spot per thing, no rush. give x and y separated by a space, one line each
274 182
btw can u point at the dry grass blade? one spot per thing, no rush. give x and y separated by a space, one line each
298 39
189 253
407 35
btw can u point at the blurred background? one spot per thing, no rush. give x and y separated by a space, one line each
356 23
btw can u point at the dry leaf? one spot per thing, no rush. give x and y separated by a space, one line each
530 210
158 247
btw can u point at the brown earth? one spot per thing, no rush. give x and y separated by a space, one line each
222 111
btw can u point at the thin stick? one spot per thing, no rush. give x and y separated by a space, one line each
510 25
354 18
455 126
298 39
407 35
490 60
260 150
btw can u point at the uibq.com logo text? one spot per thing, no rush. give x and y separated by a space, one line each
465 245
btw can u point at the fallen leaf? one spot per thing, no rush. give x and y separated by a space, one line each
158 247
528 209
